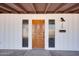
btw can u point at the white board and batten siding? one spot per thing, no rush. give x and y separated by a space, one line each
11 31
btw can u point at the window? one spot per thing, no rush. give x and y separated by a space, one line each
24 33
51 33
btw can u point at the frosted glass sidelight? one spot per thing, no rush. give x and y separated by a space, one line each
51 33
25 33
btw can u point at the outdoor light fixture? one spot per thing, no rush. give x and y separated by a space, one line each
62 27
62 19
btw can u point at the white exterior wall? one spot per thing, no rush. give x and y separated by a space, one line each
11 31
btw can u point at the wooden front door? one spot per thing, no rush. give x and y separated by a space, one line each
38 32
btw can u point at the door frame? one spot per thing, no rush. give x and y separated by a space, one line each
47 35
30 35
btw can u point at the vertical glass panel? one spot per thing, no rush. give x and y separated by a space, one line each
25 33
51 33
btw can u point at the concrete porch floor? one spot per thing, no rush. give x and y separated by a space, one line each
37 52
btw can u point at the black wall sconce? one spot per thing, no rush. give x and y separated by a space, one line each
62 19
62 27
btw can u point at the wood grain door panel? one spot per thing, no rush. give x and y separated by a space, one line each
38 33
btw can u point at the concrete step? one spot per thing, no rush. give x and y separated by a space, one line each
37 52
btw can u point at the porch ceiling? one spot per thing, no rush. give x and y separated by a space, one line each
37 8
